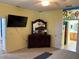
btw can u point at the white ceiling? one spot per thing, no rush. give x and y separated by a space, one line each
36 4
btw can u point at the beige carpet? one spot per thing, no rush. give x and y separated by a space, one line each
26 53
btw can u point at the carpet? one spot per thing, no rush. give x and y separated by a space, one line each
43 55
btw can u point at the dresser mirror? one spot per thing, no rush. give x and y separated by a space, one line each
39 27
39 37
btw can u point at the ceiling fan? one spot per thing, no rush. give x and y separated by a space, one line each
45 2
52 2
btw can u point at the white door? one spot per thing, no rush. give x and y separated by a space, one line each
58 35
77 47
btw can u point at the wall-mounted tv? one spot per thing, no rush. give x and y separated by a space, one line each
16 21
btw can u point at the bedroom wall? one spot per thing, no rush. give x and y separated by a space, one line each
16 38
52 18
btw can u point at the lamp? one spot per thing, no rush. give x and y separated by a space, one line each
45 2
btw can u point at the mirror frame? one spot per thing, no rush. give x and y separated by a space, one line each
39 20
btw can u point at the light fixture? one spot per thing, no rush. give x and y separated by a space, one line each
45 2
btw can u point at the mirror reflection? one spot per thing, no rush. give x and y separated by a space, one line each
39 26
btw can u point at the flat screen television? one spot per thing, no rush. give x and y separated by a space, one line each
16 21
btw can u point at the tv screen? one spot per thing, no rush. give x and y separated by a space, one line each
16 21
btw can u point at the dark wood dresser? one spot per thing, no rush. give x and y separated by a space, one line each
38 40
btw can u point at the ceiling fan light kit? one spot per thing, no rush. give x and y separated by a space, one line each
42 5
45 2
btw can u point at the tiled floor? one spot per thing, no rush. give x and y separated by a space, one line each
71 46
64 54
34 52
26 53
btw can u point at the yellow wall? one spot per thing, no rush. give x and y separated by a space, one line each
52 18
16 37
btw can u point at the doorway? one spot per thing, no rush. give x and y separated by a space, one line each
2 34
70 30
